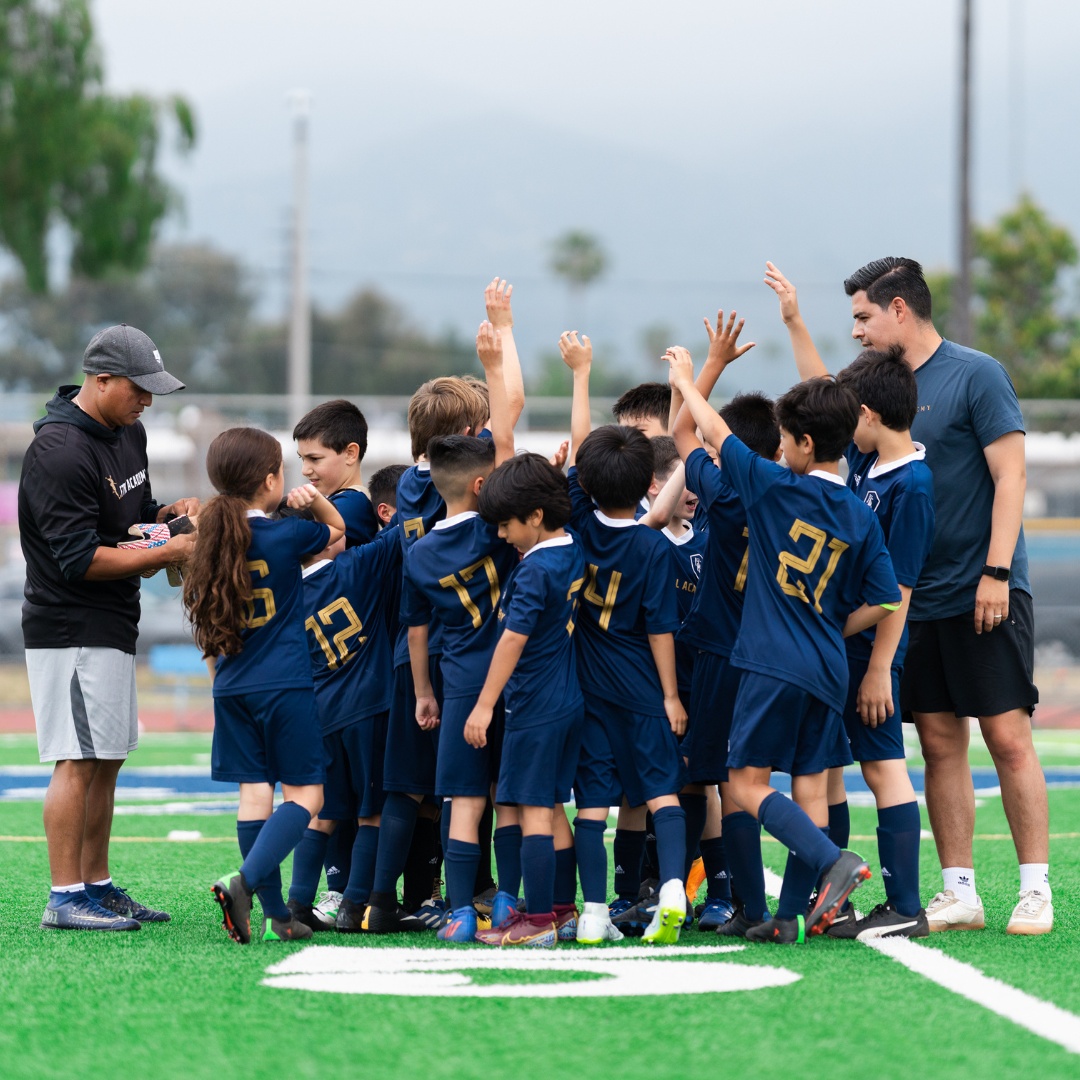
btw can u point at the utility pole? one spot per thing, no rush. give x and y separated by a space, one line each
1016 98
961 330
299 360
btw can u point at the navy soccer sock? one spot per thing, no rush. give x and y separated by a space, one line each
247 832
650 865
362 873
669 822
277 838
395 834
444 825
339 855
419 873
799 882
742 843
591 859
307 865
716 869
509 860
789 823
898 851
565 876
628 852
840 824
695 807
538 873
461 860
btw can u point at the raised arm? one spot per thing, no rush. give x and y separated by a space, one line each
807 359
501 316
663 508
577 356
681 375
322 509
490 350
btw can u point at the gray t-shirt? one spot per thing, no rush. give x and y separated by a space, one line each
966 402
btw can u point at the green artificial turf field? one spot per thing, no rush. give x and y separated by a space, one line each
181 1000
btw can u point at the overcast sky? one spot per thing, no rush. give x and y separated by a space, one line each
454 140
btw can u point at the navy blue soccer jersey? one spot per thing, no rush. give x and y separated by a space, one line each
348 639
816 554
901 494
713 622
689 551
274 654
361 521
454 577
627 596
540 600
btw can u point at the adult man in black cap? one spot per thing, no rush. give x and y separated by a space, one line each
84 483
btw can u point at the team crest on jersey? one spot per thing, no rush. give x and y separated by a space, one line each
695 564
873 500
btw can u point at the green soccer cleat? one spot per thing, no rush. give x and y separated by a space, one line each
290 929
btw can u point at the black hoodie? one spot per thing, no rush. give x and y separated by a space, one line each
82 486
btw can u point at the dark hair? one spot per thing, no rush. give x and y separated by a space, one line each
892 276
881 381
523 484
822 409
650 399
665 456
335 424
382 487
457 460
217 582
615 466
752 419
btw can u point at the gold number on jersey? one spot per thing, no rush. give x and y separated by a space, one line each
605 603
326 616
457 583
791 562
740 577
413 528
266 596
572 595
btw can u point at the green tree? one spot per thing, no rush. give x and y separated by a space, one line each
71 153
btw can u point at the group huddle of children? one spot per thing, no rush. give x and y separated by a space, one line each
482 639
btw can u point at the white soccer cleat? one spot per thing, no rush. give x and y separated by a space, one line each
670 913
948 912
326 908
1034 914
594 926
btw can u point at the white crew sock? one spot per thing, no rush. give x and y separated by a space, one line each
101 884
77 887
1035 875
960 881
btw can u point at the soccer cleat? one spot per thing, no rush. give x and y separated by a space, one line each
350 917
739 925
483 902
432 913
617 907
714 914
694 879
461 927
290 929
305 913
82 913
1034 914
503 907
326 908
396 920
521 930
779 931
670 914
594 926
234 897
837 883
884 921
632 921
948 912
566 921
118 901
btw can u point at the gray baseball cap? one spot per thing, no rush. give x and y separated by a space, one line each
123 350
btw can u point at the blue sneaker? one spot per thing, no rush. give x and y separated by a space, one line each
503 907
79 912
432 913
118 901
617 907
460 927
715 913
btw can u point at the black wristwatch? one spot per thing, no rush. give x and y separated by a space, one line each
998 573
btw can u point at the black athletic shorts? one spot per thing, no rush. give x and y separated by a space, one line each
950 668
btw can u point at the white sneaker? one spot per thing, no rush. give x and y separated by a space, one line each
670 912
594 925
948 912
1034 914
326 908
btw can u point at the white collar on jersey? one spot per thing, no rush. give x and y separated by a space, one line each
831 477
315 567
423 466
615 523
555 541
254 513
450 522
678 541
880 470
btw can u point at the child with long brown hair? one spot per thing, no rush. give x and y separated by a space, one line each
243 593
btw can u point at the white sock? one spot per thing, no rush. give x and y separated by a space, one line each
960 881
77 887
101 884
1035 875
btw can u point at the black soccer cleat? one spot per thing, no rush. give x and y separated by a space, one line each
305 914
837 883
884 921
395 920
779 931
350 917
234 898
290 929
739 924
118 901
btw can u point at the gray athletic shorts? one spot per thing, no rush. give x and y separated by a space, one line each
84 703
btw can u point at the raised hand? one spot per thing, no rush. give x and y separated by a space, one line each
576 355
724 344
558 459
489 346
785 292
497 301
681 367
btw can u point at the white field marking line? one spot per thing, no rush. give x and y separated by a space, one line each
1043 1018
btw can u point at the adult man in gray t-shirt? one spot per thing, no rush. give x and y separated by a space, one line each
971 650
